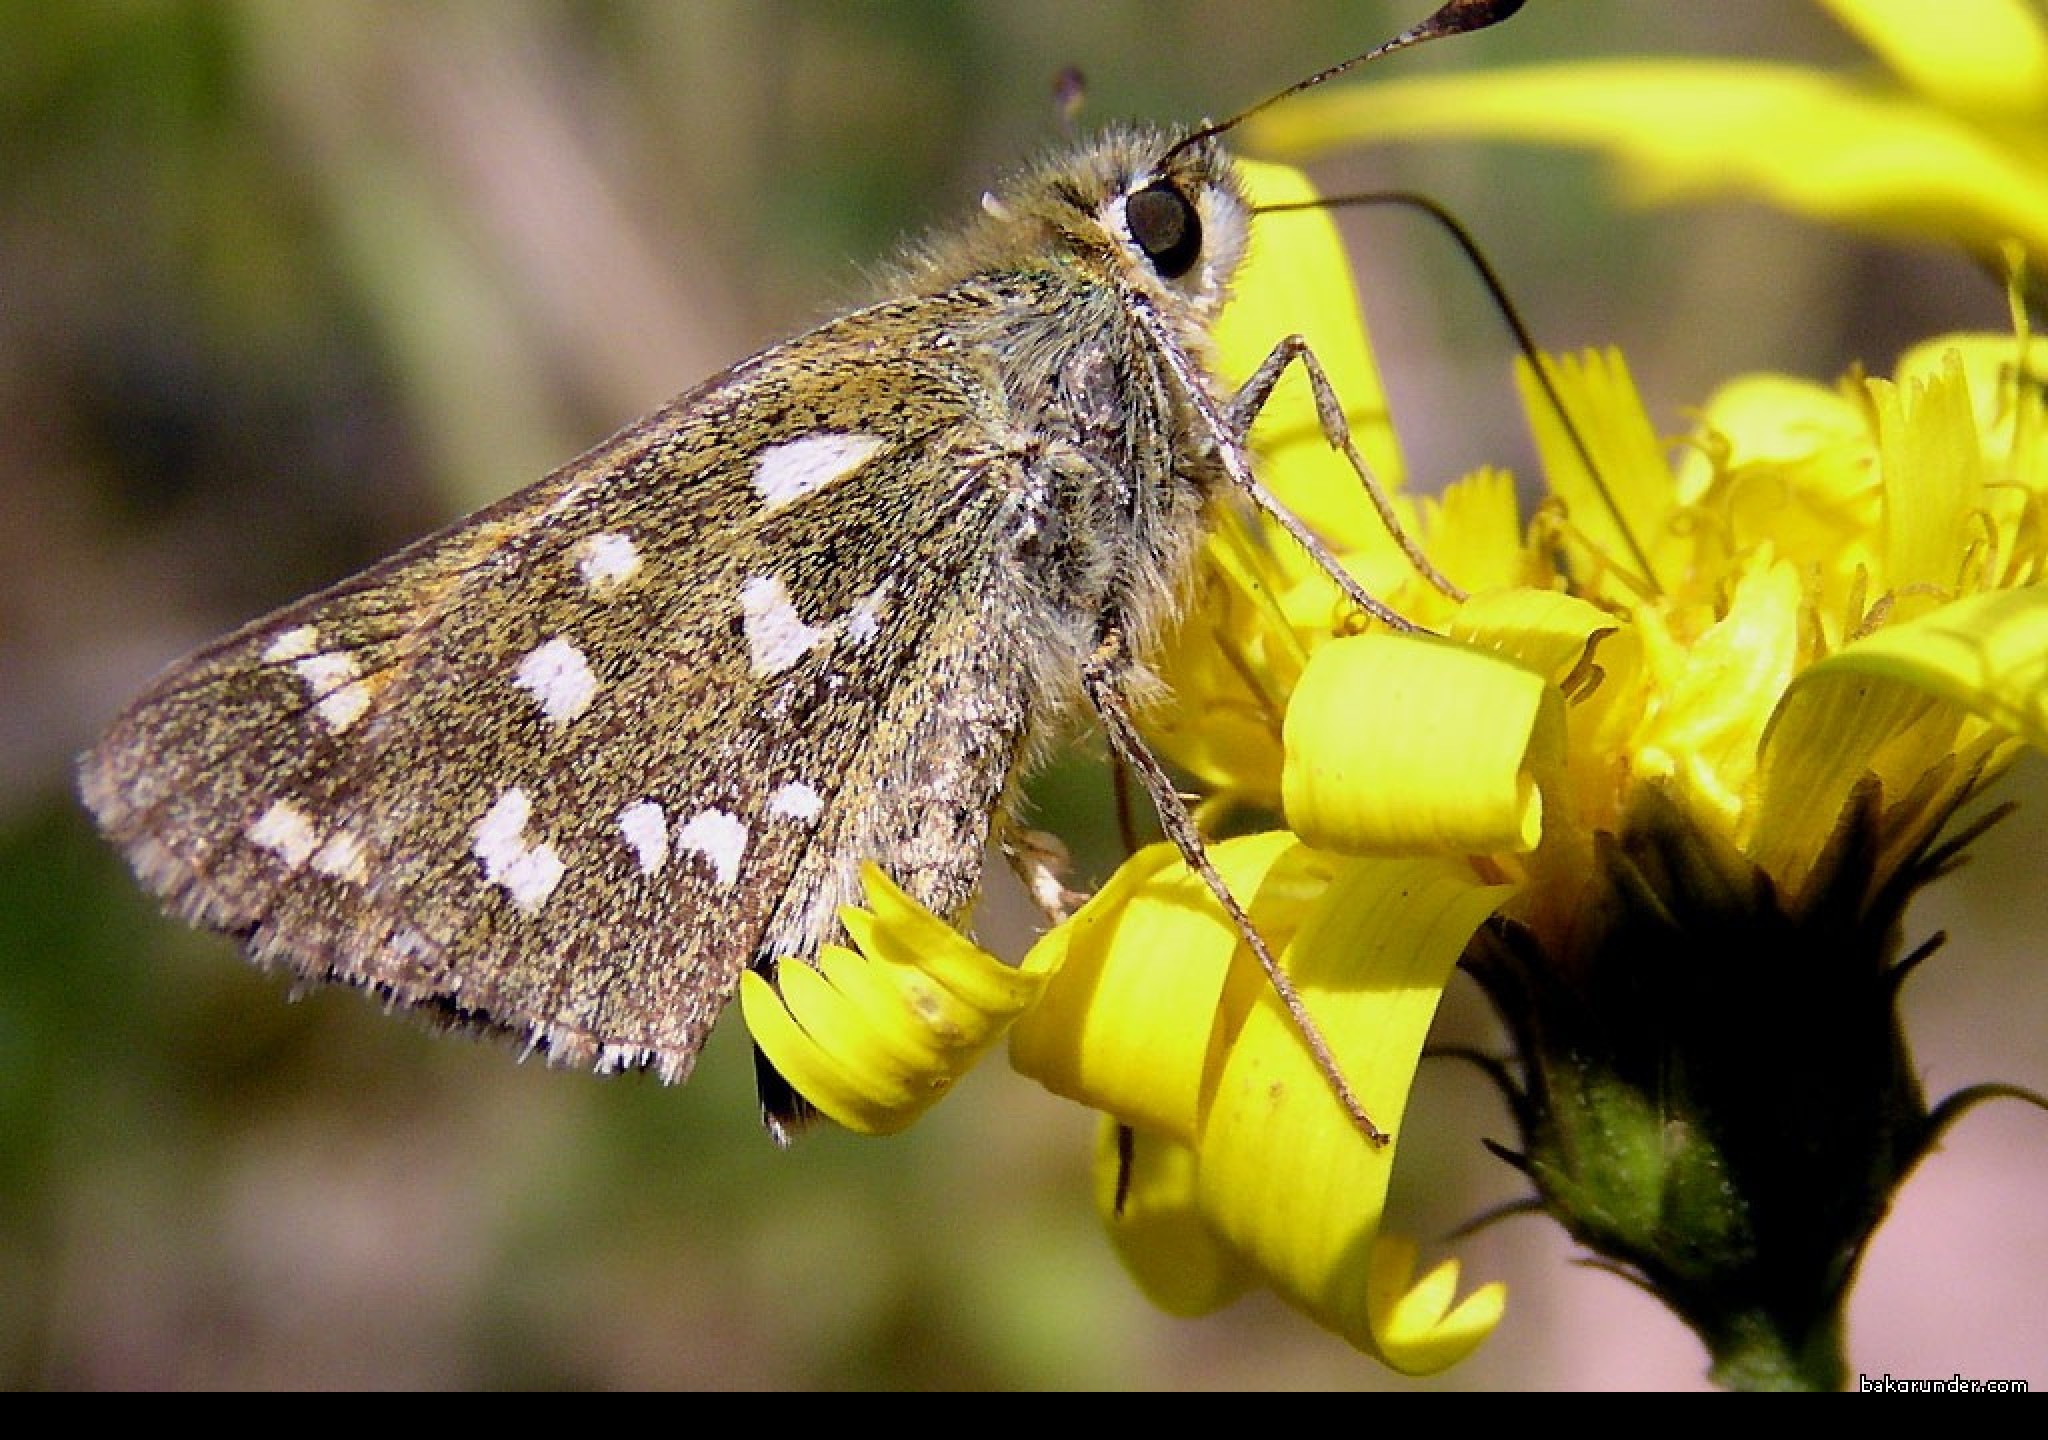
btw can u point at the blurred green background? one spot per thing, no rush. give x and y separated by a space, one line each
283 285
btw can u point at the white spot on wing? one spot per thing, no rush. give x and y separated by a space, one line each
719 838
292 644
645 827
528 872
559 678
287 832
342 706
342 857
776 635
333 679
796 801
607 561
789 471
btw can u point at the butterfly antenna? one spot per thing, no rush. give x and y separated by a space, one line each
1458 17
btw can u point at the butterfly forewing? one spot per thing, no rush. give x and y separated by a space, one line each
567 767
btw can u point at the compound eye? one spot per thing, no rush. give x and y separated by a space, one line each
1164 223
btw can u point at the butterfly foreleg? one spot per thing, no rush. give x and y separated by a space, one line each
1251 398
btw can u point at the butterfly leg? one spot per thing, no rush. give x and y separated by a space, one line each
1100 675
1251 398
1237 468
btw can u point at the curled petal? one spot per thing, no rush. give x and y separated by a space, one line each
1263 601
876 1035
1546 631
1402 743
1282 1174
1246 1168
1422 1326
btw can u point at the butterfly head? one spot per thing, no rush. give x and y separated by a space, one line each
1180 222
1130 209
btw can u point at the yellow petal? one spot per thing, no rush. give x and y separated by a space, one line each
1622 508
1985 655
825 1045
898 933
1282 1173
1127 1024
1474 532
1933 482
1158 1231
1717 689
1232 661
1822 145
1296 280
1790 463
1991 362
1989 56
1424 1323
1229 668
1546 631
1402 743
873 1037
2008 413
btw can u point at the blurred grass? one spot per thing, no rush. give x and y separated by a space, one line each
283 285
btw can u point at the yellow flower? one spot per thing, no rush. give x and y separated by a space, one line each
1663 770
1951 146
